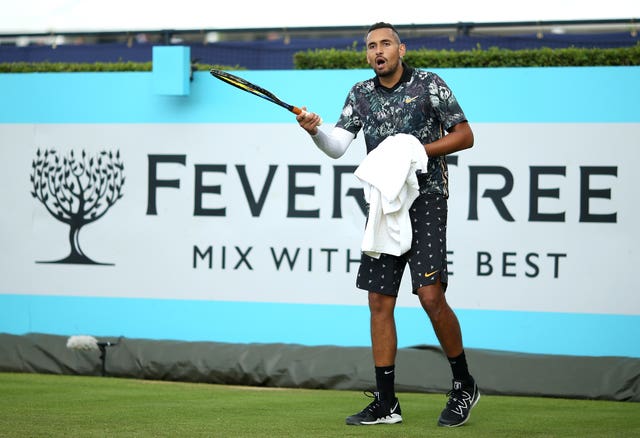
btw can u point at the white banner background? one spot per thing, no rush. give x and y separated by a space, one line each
153 255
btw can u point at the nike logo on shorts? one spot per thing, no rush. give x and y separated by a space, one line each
431 274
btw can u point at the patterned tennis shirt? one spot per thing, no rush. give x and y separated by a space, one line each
420 104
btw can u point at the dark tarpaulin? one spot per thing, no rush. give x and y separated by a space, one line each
419 369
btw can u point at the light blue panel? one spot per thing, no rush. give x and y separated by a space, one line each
547 94
496 95
171 70
246 322
188 320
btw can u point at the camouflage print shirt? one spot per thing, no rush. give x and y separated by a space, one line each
421 104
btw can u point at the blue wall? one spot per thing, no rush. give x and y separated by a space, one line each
504 95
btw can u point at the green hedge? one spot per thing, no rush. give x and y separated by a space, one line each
493 57
58 67
41 67
355 58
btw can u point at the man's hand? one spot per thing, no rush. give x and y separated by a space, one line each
309 121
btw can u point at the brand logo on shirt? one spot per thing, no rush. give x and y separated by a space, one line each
410 99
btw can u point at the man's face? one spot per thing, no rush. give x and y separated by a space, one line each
384 51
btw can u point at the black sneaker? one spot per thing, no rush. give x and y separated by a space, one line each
461 400
378 412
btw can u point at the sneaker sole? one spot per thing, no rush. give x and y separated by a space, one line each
466 419
391 419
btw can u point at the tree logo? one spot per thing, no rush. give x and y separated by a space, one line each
77 191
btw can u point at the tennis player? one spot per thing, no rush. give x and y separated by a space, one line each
401 99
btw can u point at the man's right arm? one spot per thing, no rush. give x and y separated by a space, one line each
333 144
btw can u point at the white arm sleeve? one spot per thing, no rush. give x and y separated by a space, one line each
334 144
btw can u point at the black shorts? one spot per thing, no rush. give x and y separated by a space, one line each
427 257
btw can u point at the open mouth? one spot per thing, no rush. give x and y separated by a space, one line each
380 62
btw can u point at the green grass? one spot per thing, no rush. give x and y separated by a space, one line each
36 405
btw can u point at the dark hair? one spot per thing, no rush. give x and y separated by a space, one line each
383 25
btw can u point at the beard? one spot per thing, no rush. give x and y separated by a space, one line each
386 69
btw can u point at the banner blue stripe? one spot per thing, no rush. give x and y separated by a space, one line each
488 95
248 322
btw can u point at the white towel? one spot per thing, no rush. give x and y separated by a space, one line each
388 174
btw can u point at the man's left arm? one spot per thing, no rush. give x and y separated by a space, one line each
458 138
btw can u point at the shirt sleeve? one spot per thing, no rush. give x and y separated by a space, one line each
349 119
445 103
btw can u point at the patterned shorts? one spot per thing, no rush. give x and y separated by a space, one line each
427 257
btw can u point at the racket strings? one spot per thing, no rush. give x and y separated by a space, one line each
258 91
247 86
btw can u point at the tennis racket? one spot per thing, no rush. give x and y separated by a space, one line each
247 86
